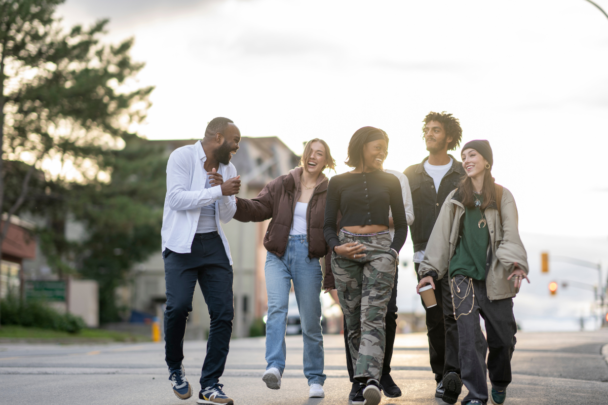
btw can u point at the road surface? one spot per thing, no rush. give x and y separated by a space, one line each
548 368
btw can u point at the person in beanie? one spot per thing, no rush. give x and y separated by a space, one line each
476 244
364 259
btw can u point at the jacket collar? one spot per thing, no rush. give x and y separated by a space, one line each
458 197
292 180
456 166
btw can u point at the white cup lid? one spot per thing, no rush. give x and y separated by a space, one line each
426 287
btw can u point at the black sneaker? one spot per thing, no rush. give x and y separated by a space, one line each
389 387
372 392
353 391
358 398
453 386
439 390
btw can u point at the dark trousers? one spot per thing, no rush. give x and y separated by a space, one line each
390 325
500 328
442 331
208 264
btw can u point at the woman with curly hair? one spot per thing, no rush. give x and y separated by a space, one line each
475 243
364 258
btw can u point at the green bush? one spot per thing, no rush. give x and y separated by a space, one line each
37 314
258 328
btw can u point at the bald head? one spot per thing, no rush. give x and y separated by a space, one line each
217 126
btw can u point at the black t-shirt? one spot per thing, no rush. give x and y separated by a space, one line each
364 199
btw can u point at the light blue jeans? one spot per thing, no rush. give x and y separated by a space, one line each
296 266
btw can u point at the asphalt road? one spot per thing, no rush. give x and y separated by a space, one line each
548 368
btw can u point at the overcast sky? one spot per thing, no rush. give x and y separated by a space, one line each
530 76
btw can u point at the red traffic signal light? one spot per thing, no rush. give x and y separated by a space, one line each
553 288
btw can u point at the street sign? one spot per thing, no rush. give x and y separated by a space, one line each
45 290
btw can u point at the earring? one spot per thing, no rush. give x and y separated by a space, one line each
488 166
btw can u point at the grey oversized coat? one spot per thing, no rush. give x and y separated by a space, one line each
507 247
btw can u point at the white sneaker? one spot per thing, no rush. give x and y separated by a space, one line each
272 378
316 391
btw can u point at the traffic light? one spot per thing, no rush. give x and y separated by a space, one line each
553 288
544 262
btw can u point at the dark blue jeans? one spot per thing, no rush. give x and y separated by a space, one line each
208 264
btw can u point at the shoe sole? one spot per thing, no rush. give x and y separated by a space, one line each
452 385
186 395
372 395
203 401
271 381
496 403
316 396
386 394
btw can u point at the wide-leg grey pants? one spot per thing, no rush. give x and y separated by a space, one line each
473 347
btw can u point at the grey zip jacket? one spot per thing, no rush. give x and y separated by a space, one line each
506 245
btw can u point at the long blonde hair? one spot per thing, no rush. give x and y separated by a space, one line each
331 163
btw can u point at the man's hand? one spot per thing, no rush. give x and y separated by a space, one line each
519 275
426 280
215 179
232 186
351 250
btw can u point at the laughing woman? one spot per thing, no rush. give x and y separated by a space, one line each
476 243
364 258
295 243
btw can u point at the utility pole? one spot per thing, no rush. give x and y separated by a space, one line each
601 294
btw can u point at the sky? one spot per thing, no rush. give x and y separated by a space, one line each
529 76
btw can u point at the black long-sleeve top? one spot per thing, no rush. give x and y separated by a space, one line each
364 199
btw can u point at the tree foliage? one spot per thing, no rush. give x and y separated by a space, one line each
122 219
69 99
62 93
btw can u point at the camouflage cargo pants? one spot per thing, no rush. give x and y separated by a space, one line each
364 288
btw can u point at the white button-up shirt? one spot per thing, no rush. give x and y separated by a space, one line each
186 194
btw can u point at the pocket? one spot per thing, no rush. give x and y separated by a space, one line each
166 253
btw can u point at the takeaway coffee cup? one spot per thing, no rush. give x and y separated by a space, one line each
428 296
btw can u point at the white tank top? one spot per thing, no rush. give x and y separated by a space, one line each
298 226
206 222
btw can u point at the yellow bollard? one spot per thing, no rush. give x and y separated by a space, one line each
156 330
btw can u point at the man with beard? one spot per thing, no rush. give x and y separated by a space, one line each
201 184
431 181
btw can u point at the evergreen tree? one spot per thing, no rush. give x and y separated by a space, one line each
63 97
61 94
122 219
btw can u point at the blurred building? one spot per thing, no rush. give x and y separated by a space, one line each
18 246
258 161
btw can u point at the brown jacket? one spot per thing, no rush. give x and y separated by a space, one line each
277 200
507 247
